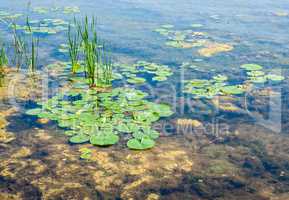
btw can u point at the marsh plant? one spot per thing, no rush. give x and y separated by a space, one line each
3 63
97 63
19 48
32 54
3 58
74 45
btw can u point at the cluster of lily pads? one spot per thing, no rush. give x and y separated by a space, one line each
45 26
190 38
203 88
131 72
256 75
100 118
218 85
183 39
65 10
6 16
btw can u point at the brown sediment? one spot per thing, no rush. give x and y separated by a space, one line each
212 49
226 103
20 86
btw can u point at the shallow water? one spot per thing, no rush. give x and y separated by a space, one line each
236 147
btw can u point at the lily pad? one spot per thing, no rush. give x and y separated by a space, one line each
35 111
104 139
136 80
79 139
232 90
274 77
144 143
251 67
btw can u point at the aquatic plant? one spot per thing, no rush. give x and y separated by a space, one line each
71 10
255 75
44 27
85 153
132 72
218 85
19 47
251 67
101 117
73 49
32 55
97 63
3 63
3 57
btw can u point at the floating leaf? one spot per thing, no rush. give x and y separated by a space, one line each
35 111
144 143
251 67
274 77
220 78
136 80
255 73
79 139
232 89
104 139
258 79
85 153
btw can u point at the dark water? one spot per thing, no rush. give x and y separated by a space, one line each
234 154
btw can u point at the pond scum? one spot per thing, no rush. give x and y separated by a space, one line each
92 112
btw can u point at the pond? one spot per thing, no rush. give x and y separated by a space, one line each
141 99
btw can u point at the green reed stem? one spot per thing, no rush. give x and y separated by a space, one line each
97 65
73 48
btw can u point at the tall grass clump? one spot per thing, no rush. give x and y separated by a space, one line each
3 58
19 48
97 65
32 54
74 45
3 63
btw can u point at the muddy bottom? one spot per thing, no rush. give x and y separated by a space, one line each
38 163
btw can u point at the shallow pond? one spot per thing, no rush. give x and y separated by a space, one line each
194 107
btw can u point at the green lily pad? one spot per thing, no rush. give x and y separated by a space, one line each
220 78
251 67
104 139
255 73
85 153
136 80
232 89
123 128
35 111
197 25
79 139
274 77
144 143
160 78
167 26
258 79
71 133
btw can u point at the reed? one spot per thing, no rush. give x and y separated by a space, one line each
74 48
19 48
3 58
97 65
3 63
32 54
